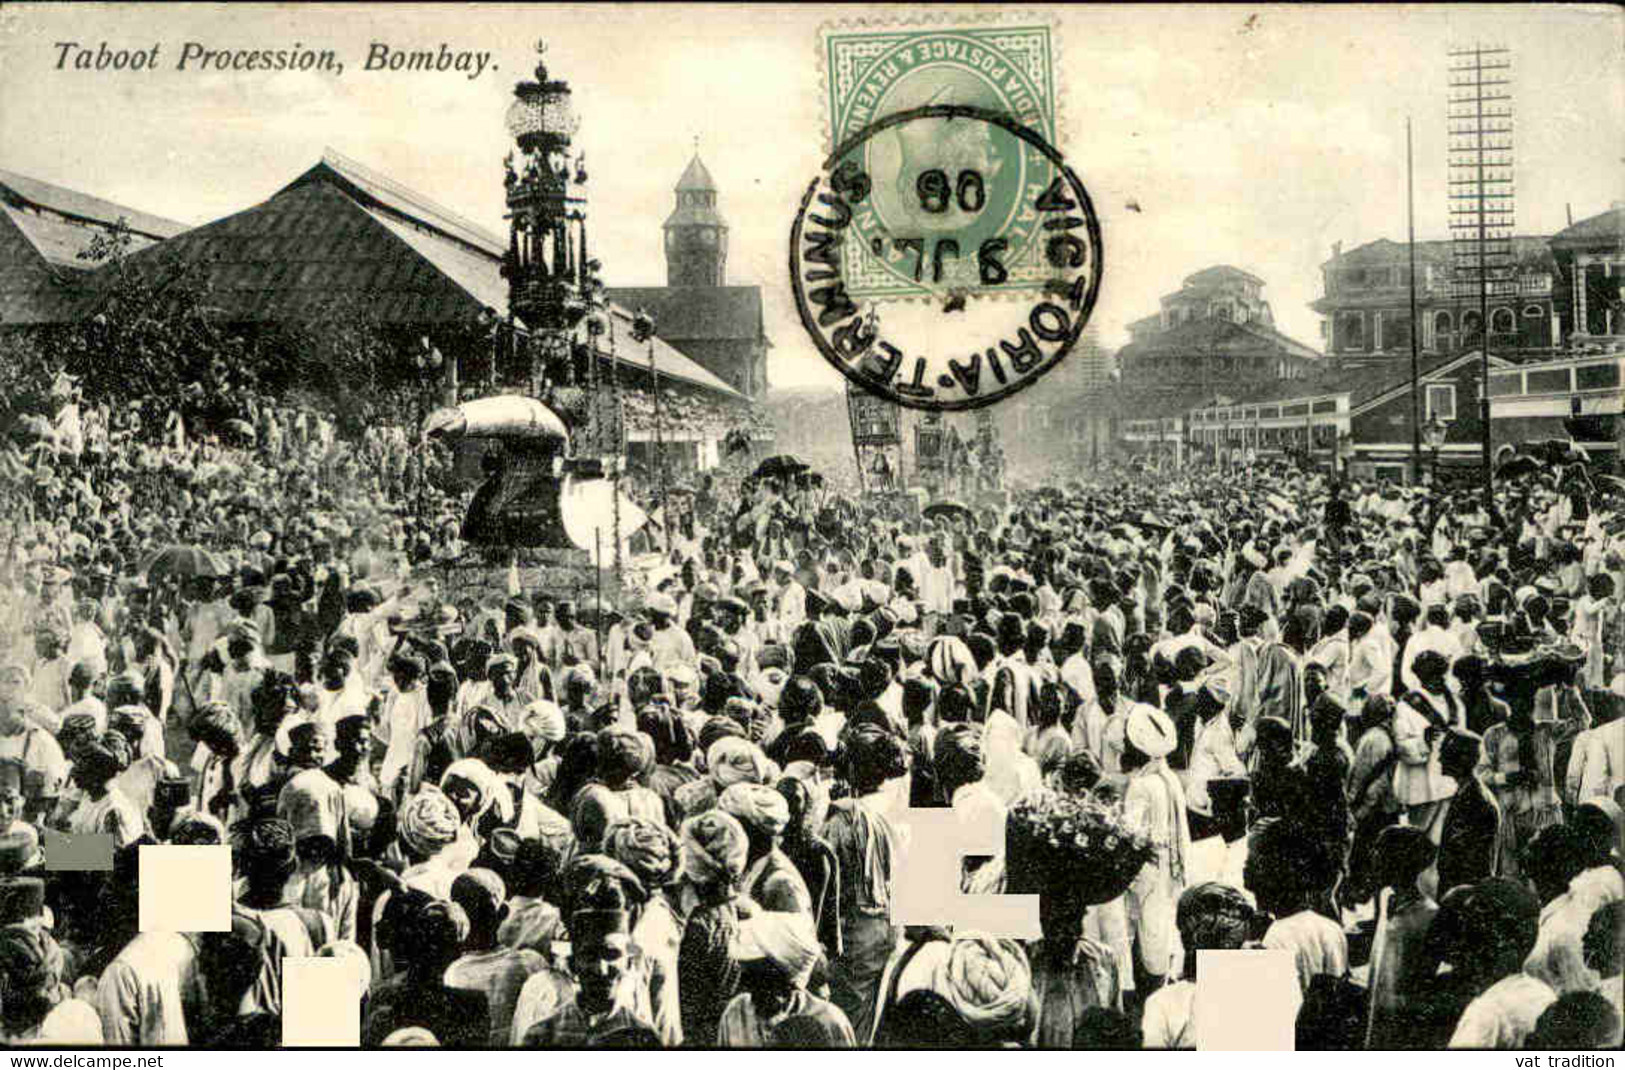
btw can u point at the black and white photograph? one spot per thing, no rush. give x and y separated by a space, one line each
812 526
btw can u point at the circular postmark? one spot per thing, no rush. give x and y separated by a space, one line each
945 214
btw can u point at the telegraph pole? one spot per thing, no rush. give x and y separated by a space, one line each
1416 364
1480 121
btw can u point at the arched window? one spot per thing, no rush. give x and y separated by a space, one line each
1534 312
1470 323
1441 322
1502 321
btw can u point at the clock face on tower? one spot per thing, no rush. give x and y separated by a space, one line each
708 237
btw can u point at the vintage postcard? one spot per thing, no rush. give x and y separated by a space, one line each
887 526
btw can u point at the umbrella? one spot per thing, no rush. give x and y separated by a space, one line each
1521 465
1152 522
37 426
239 429
779 467
187 562
1609 484
1556 451
949 509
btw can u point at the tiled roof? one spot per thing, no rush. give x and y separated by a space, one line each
385 191
1526 249
61 240
30 292
15 188
476 274
695 313
1362 384
318 239
287 258
1222 335
1218 273
1137 404
1605 226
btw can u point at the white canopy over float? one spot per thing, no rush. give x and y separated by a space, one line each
504 416
539 502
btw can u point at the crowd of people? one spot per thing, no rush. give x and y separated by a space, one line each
1374 727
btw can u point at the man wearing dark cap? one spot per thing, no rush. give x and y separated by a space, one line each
574 643
1468 833
960 763
863 839
265 853
1493 924
731 615
1019 683
602 899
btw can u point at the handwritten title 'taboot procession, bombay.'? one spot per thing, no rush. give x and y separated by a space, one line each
197 56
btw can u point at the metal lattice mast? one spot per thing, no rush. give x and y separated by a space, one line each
620 441
1481 199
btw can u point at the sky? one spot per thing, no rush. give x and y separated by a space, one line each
1252 136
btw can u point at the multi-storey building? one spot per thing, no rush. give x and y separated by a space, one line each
720 327
1590 258
1365 303
1215 333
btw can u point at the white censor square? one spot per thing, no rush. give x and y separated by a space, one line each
927 877
1246 1001
321 1003
185 889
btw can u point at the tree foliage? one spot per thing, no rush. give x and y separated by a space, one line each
146 327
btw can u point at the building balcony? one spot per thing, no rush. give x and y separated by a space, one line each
1395 294
1523 286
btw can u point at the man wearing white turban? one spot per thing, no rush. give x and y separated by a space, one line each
732 760
986 981
774 1009
771 879
1155 800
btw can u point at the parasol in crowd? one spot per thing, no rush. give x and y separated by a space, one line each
241 430
1609 484
1153 522
949 510
184 562
1556 451
781 466
1521 465
35 425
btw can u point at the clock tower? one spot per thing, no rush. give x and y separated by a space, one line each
696 234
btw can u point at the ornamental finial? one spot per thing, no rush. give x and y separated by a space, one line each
541 68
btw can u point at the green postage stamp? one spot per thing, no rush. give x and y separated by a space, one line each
948 183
